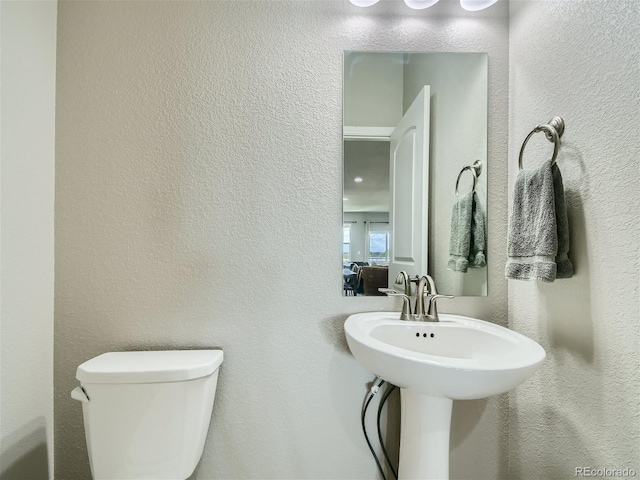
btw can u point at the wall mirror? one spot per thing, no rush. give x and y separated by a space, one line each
415 170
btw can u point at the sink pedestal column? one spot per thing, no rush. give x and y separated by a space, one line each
425 424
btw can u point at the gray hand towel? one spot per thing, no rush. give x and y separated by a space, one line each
538 241
467 243
478 244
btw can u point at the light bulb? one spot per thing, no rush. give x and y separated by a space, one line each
420 4
364 3
474 5
358 179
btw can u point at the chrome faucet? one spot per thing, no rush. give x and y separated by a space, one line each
421 312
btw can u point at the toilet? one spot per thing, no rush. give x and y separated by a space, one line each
146 414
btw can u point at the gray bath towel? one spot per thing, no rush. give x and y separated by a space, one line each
538 243
467 244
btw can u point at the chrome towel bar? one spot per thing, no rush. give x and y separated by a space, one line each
553 131
475 169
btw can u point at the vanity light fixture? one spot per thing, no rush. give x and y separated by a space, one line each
471 5
420 4
475 5
364 3
358 179
415 4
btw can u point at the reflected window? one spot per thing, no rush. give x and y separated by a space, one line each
379 243
346 242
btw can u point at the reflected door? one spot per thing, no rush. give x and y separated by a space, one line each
409 179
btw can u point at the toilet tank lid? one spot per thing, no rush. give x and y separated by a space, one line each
149 366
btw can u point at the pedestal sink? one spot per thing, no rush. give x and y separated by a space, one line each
434 363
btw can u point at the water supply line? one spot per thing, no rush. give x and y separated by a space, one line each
390 389
375 388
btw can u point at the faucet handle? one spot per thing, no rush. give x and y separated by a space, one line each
390 292
432 310
406 301
432 299
438 295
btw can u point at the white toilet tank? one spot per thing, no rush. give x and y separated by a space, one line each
146 414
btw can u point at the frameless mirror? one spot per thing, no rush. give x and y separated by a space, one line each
415 170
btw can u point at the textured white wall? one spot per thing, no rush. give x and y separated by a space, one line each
198 204
28 115
579 60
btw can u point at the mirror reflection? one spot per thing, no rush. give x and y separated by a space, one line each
415 163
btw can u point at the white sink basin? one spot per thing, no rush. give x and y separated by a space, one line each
459 357
434 363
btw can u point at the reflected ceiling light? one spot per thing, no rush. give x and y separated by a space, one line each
364 3
358 179
471 5
420 4
474 5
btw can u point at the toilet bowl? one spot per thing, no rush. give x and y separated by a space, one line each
146 414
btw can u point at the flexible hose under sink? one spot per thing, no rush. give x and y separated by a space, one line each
372 393
389 391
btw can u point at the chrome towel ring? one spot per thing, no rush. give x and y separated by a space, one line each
475 169
553 131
